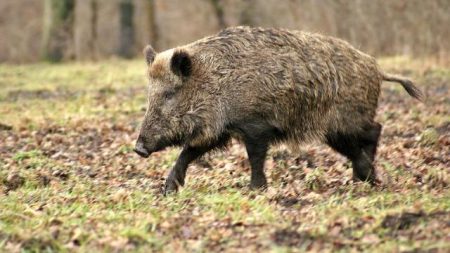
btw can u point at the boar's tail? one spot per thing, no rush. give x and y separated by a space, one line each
412 90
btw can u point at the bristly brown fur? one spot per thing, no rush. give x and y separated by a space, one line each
302 83
273 85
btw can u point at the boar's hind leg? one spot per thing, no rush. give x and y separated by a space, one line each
187 155
257 151
359 148
370 140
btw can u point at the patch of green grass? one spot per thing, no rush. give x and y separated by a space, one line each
69 180
46 92
33 154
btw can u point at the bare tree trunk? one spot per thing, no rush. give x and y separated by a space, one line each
218 8
126 40
93 22
153 29
58 28
85 30
247 13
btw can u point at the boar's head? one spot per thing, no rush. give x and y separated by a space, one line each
180 109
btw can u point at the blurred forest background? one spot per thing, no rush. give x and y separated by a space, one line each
33 30
71 182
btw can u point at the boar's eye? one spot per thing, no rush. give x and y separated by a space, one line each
168 94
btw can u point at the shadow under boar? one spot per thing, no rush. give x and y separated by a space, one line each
262 87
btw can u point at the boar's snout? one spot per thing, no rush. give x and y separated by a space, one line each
140 148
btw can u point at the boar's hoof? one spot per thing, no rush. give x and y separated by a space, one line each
363 170
170 189
258 184
171 186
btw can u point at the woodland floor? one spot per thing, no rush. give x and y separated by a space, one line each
69 180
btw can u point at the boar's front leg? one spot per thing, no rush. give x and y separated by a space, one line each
187 155
178 172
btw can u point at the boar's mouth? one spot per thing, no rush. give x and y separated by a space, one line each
144 150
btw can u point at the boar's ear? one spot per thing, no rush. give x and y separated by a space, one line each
181 64
149 54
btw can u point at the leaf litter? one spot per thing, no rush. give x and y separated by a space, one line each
70 181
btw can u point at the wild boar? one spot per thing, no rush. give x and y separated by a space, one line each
263 87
